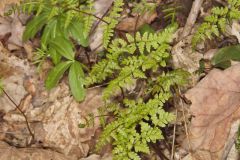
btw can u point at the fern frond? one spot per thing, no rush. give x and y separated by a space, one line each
132 58
216 23
123 130
88 19
112 21
120 59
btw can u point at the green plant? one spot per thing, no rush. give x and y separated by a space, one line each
216 23
64 24
139 58
137 122
111 21
61 22
225 55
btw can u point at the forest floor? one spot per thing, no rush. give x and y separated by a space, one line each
40 124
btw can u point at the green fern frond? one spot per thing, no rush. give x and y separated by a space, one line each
121 57
126 139
216 23
112 21
88 19
130 60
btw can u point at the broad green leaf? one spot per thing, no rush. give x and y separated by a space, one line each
49 32
224 65
76 29
34 26
225 55
56 58
63 47
56 74
76 81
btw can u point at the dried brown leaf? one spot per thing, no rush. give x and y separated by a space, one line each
130 23
13 72
215 106
7 152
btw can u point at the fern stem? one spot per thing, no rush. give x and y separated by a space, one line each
90 14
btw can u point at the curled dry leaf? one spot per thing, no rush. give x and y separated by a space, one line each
234 30
215 106
13 26
130 23
7 152
184 57
13 71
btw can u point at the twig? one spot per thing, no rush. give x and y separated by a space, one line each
228 147
90 14
19 109
135 30
95 27
192 18
221 2
174 137
16 133
185 123
123 95
88 57
99 86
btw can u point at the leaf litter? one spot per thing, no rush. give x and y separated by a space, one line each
54 116
215 106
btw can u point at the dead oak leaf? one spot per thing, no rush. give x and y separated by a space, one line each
7 152
215 106
14 27
14 72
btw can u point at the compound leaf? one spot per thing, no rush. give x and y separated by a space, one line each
76 81
56 73
63 46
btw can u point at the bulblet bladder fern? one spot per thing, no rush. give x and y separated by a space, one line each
216 23
139 122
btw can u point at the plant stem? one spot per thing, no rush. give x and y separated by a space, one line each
19 109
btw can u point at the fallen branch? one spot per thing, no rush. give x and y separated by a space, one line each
192 18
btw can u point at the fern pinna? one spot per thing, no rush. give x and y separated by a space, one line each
137 122
216 23
111 21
